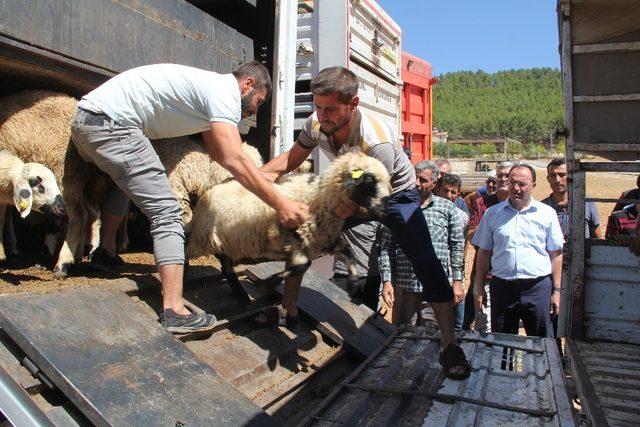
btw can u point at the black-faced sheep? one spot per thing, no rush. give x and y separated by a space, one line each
234 225
27 186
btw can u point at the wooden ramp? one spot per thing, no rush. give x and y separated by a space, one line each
117 365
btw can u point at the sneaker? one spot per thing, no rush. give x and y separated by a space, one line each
101 260
186 323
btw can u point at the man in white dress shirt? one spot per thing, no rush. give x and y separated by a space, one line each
522 241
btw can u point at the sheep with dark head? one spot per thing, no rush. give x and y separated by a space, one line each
233 224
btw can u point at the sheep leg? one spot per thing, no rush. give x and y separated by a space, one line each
11 244
232 278
74 238
350 260
3 212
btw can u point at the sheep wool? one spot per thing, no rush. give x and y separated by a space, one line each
231 221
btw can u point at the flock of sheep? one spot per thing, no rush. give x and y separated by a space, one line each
40 167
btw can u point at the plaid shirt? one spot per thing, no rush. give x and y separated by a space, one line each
445 227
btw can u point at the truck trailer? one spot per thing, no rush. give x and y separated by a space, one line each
600 52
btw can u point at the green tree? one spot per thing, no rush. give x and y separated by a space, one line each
525 105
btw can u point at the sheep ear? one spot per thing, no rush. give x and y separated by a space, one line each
22 197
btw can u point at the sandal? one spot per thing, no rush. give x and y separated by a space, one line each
452 356
276 316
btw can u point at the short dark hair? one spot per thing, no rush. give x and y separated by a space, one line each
336 80
258 71
450 179
554 163
527 166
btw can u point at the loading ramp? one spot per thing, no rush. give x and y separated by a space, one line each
98 347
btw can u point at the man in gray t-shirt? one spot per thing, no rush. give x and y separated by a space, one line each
112 128
338 126
559 200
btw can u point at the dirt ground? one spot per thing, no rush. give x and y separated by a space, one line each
24 275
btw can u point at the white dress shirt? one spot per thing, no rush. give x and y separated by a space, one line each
520 240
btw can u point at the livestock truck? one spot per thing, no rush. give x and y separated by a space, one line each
93 355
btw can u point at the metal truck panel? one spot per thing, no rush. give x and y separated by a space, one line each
374 39
118 35
600 56
612 294
416 106
514 380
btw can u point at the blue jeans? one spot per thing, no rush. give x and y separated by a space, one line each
407 224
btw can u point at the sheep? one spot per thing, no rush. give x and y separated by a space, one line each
36 126
28 186
234 225
191 170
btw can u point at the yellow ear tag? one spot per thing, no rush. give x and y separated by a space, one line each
356 174
23 205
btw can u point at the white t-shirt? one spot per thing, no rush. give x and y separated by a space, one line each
167 100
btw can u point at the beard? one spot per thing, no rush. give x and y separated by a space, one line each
331 128
245 103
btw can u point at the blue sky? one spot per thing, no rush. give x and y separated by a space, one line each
489 35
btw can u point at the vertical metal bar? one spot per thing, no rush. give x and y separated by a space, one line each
576 252
575 275
284 77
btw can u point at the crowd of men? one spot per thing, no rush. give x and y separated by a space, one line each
516 276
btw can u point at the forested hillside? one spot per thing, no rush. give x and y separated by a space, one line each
521 104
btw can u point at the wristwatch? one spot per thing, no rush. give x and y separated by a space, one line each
556 289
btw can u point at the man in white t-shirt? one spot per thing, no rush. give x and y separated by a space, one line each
112 128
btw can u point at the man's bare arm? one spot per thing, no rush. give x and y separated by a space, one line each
287 161
225 147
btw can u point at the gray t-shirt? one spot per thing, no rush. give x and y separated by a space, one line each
363 242
167 100
371 136
591 216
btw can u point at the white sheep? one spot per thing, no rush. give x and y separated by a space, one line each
191 170
36 126
28 186
237 227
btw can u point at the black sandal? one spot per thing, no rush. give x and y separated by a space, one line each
452 356
276 316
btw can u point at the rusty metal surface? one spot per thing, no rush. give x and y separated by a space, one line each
116 365
607 378
402 384
120 34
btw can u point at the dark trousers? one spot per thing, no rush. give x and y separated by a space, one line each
365 291
407 224
528 300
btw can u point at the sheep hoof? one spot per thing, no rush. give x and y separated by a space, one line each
61 272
